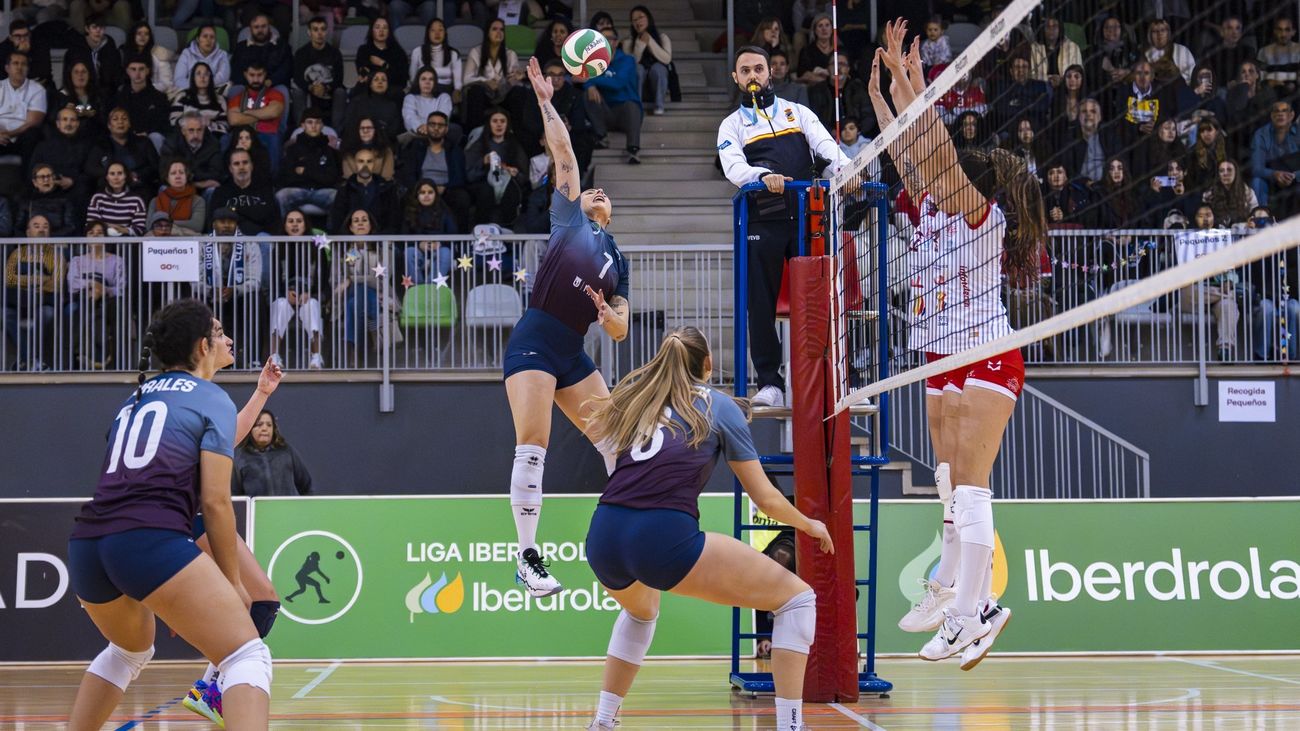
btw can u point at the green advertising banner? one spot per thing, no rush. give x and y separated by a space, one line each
434 578
1113 576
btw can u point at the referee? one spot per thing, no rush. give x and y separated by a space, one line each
772 140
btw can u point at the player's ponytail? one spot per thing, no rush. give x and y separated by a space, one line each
146 361
632 413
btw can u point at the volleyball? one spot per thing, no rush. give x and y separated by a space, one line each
586 53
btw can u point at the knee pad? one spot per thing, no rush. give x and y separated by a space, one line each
973 515
795 623
264 614
607 453
631 638
526 476
249 665
119 666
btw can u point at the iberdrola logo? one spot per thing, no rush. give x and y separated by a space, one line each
927 563
436 597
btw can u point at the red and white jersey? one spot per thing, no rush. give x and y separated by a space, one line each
956 280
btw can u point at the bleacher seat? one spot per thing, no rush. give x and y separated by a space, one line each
428 306
464 36
521 39
960 35
352 38
493 305
1075 32
117 34
166 37
410 37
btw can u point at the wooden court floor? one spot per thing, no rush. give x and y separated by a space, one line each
1191 693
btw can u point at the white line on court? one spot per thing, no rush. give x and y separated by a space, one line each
1215 666
490 707
856 717
1191 694
320 678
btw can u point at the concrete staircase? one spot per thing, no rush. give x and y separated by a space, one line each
676 196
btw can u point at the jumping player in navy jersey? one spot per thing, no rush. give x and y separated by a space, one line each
668 429
582 279
131 555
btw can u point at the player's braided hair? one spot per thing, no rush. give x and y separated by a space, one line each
171 336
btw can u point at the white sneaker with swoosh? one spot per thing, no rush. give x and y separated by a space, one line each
954 635
997 617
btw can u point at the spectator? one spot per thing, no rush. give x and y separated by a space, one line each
962 97
613 101
653 52
39 68
782 84
426 213
1248 103
1204 157
815 59
770 37
261 47
66 151
252 202
186 10
364 135
970 132
376 102
1274 160
442 58
47 201
162 61
204 99
1230 198
1029 146
853 98
180 200
1281 58
122 145
400 10
1169 191
311 172
441 163
1053 54
121 211
22 109
570 104
854 27
1232 49
358 284
382 52
1139 108
425 98
204 49
261 106
851 140
995 67
1276 280
1218 293
1066 201
1090 144
1023 97
1066 101
245 138
101 54
1160 45
1112 55
96 283
81 92
491 71
498 166
83 14
298 297
601 20
318 71
936 50
1121 207
198 148
1205 100
266 466
148 108
34 279
365 189
230 281
550 45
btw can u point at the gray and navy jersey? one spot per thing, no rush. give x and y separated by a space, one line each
150 474
580 253
666 472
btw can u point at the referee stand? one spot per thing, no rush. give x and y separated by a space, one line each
822 459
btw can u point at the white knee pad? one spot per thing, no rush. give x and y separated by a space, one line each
249 665
943 481
631 638
526 476
973 515
795 623
119 666
607 453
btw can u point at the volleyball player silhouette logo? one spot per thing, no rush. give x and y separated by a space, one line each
310 565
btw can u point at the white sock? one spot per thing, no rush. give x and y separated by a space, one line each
986 588
970 579
950 557
789 714
608 708
526 492
210 674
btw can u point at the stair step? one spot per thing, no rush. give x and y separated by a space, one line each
674 121
671 220
609 172
689 189
672 238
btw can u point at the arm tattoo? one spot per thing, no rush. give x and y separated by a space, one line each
911 177
564 190
566 167
549 111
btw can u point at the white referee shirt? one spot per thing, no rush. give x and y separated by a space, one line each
784 138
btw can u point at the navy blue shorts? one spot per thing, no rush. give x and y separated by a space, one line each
197 527
134 562
657 547
540 342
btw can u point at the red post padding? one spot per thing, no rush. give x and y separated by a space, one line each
823 487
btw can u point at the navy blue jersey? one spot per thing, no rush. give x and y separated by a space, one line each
150 475
667 472
579 254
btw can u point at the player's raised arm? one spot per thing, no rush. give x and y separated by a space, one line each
557 135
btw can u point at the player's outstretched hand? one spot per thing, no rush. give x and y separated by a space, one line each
603 311
541 85
269 378
817 531
915 71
